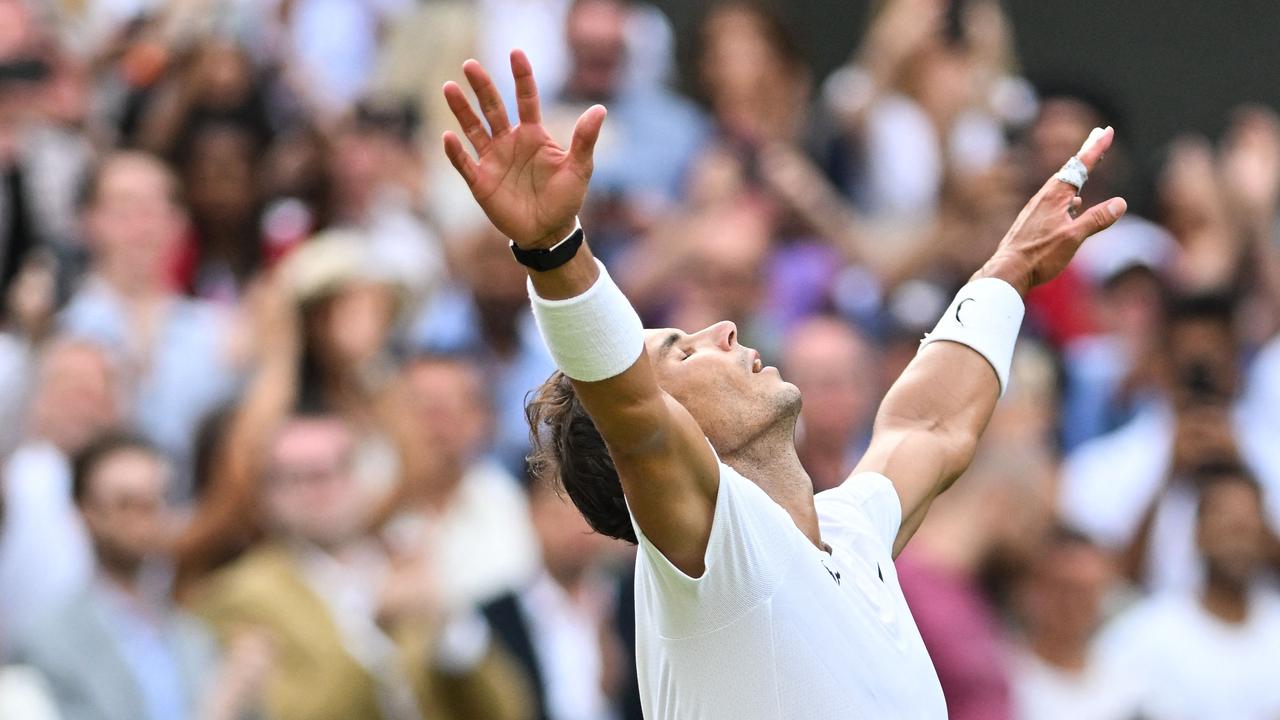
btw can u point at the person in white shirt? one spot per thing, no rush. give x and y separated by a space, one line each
1058 671
467 512
1210 655
755 599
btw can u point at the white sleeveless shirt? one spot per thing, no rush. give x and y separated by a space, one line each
777 629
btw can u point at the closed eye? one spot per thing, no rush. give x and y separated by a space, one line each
687 354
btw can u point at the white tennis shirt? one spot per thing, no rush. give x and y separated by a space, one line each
777 629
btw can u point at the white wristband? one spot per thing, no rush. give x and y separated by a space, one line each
985 315
592 336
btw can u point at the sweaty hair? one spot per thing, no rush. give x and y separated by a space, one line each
86 462
569 451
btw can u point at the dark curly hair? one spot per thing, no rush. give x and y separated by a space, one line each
569 451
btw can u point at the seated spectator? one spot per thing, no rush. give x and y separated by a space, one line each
468 513
1211 654
174 354
835 368
1058 671
118 649
1131 490
45 554
561 626
356 628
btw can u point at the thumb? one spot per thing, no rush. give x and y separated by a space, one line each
585 133
1101 216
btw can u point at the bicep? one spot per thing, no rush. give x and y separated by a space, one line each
668 471
928 425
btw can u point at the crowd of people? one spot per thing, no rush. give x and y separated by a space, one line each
264 363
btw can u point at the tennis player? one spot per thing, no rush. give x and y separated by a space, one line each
755 599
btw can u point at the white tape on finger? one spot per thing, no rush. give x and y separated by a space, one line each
1073 173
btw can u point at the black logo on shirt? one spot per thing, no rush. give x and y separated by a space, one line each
834 574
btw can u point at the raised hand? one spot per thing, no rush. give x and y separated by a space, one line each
1047 232
529 186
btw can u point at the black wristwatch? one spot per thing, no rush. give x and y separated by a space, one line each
554 256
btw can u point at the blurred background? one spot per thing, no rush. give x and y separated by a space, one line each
263 361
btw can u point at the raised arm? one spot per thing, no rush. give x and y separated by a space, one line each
928 426
532 190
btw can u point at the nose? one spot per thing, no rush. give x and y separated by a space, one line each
723 334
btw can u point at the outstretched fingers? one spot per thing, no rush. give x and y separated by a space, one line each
585 133
527 105
457 155
491 105
467 118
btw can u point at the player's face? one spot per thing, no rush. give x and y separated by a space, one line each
731 393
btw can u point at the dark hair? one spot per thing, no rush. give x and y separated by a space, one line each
86 462
568 450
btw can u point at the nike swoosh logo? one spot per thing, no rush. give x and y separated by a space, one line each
960 305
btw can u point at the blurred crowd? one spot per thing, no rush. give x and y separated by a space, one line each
263 362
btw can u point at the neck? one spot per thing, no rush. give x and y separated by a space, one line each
772 462
123 575
132 285
440 487
1227 601
1063 654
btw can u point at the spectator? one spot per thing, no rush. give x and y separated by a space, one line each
117 649
357 629
467 512
1211 654
174 354
226 249
377 171
1059 673
561 626
834 367
1130 490
45 553
485 315
652 135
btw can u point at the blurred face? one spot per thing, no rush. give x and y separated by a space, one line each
597 39
724 385
725 277
125 509
311 491
220 178
1232 532
569 546
133 222
1063 598
74 401
351 327
834 370
737 57
451 407
1063 124
1202 355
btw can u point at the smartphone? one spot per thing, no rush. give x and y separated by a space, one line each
23 70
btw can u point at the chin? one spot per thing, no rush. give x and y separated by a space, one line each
789 398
